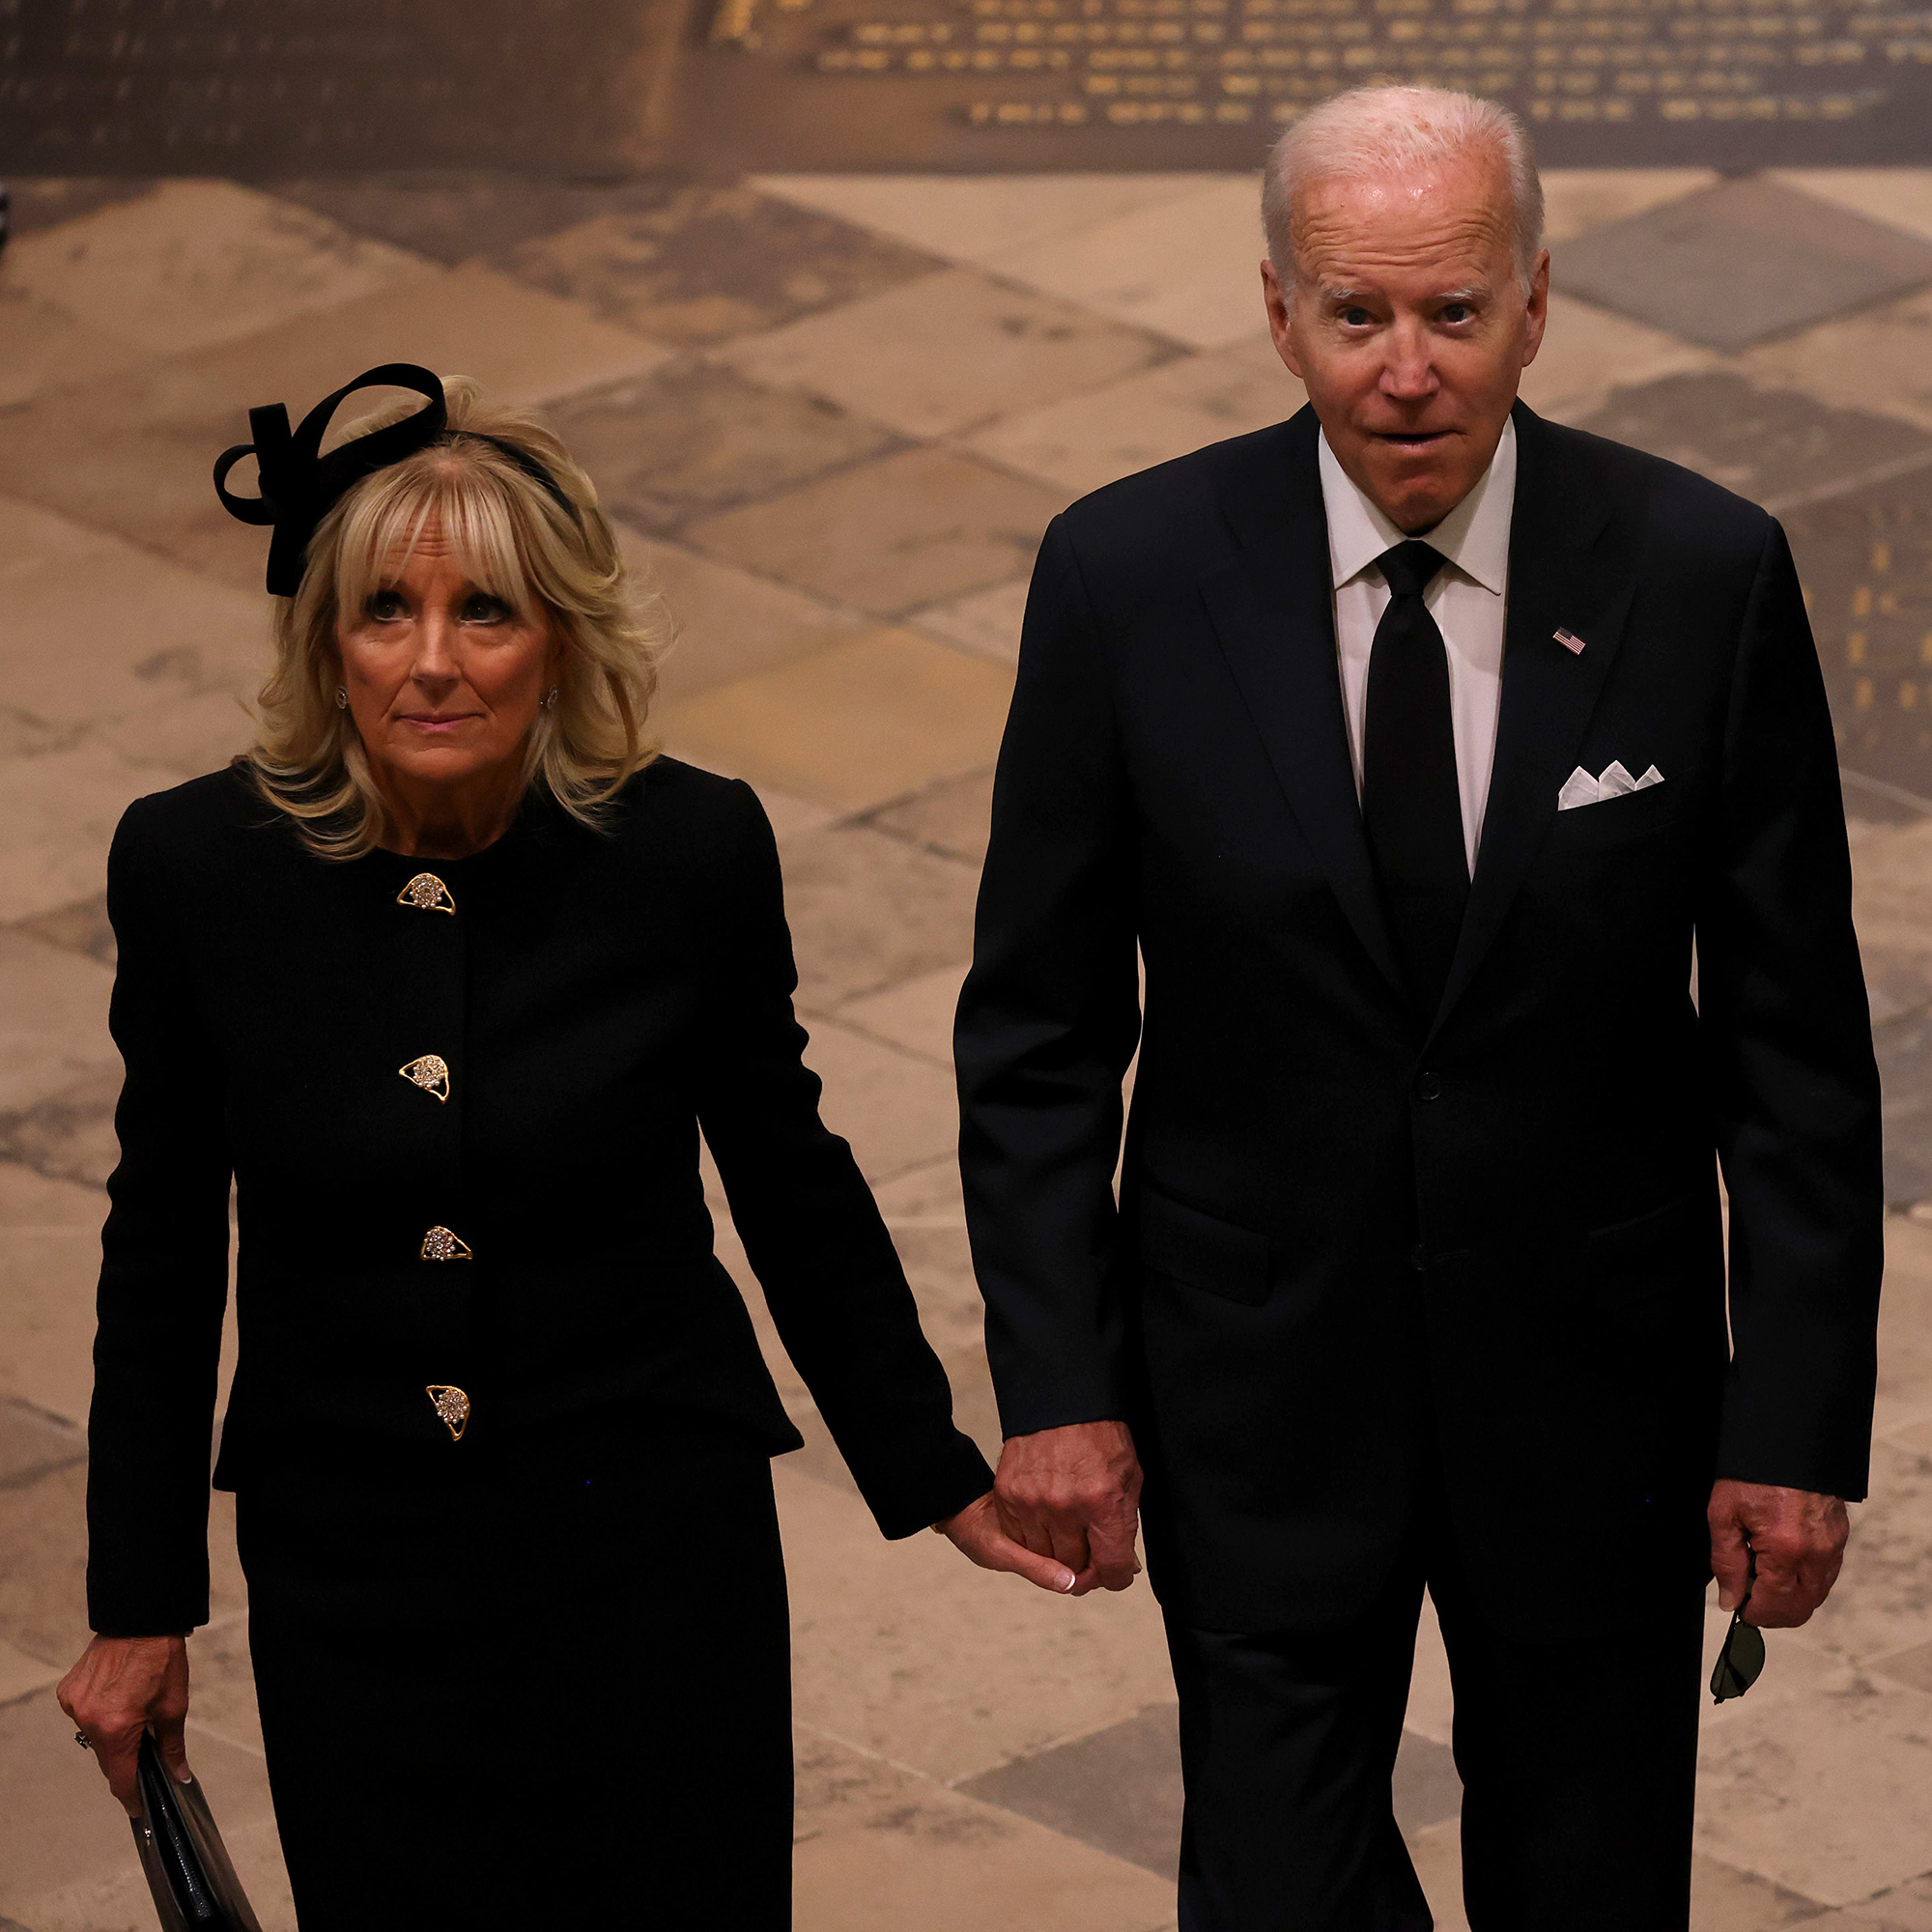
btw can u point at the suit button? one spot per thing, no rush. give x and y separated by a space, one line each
1428 1086
452 1407
430 1072
1418 1258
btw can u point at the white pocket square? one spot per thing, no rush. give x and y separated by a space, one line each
1580 788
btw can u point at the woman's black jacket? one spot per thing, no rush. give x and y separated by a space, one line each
596 997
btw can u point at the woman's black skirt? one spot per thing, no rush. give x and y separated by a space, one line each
530 1682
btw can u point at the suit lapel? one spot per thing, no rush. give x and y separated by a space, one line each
1569 567
1273 613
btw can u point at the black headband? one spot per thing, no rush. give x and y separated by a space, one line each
300 486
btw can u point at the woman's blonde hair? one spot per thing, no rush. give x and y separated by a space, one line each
515 542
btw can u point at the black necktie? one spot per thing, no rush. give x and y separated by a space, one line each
1411 804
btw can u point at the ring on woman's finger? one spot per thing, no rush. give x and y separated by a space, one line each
83 1741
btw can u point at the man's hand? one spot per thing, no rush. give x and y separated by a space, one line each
1074 1495
120 1687
1798 1538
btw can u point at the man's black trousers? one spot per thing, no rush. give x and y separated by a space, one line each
1577 1757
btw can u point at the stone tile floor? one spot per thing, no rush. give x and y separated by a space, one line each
834 414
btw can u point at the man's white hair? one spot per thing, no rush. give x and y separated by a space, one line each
1377 133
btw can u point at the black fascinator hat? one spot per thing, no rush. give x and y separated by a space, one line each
300 486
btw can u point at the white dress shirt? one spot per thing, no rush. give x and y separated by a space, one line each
1467 597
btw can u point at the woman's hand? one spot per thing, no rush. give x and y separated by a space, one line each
121 1686
979 1531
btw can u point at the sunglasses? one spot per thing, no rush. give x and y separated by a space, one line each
1741 1662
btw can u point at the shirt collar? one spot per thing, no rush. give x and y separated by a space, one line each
1474 536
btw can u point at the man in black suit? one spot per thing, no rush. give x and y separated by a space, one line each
1414 742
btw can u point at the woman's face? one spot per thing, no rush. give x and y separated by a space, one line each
443 679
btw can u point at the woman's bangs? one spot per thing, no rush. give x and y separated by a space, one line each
384 530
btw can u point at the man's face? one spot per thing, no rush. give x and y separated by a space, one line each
1406 320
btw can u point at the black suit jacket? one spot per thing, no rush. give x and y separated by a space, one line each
1349 1250
597 996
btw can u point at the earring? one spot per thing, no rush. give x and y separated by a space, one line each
341 698
550 698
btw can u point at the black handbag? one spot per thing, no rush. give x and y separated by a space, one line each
195 1885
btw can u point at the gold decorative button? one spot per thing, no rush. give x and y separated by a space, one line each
440 1245
431 1073
452 1407
427 894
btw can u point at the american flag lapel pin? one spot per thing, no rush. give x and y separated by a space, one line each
1570 641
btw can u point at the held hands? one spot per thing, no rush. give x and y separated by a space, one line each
1797 1539
120 1687
1063 1512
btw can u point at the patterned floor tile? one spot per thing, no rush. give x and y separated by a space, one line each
697 438
898 1110
1576 200
982 217
1432 1699
44 1589
34 1442
891 535
1866 557
1905 1348
1119 1789
1437 1855
21 1676
522 345
30 1201
908 1651
47 346
917 1014
53 1020
198 263
926 1197
870 719
939 1264
1881 357
1764 444
1823 1795
1186 269
1090 440
133 453
60 810
1903 1908
868 911
183 737
49 1264
1904 1048
1725 1899
96 628
730 624
940 354
1911 1666
1426 1788
1741 262
453 216
880 1850
712 261
1587 354
951 818
67 1135
987 621
1899 197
